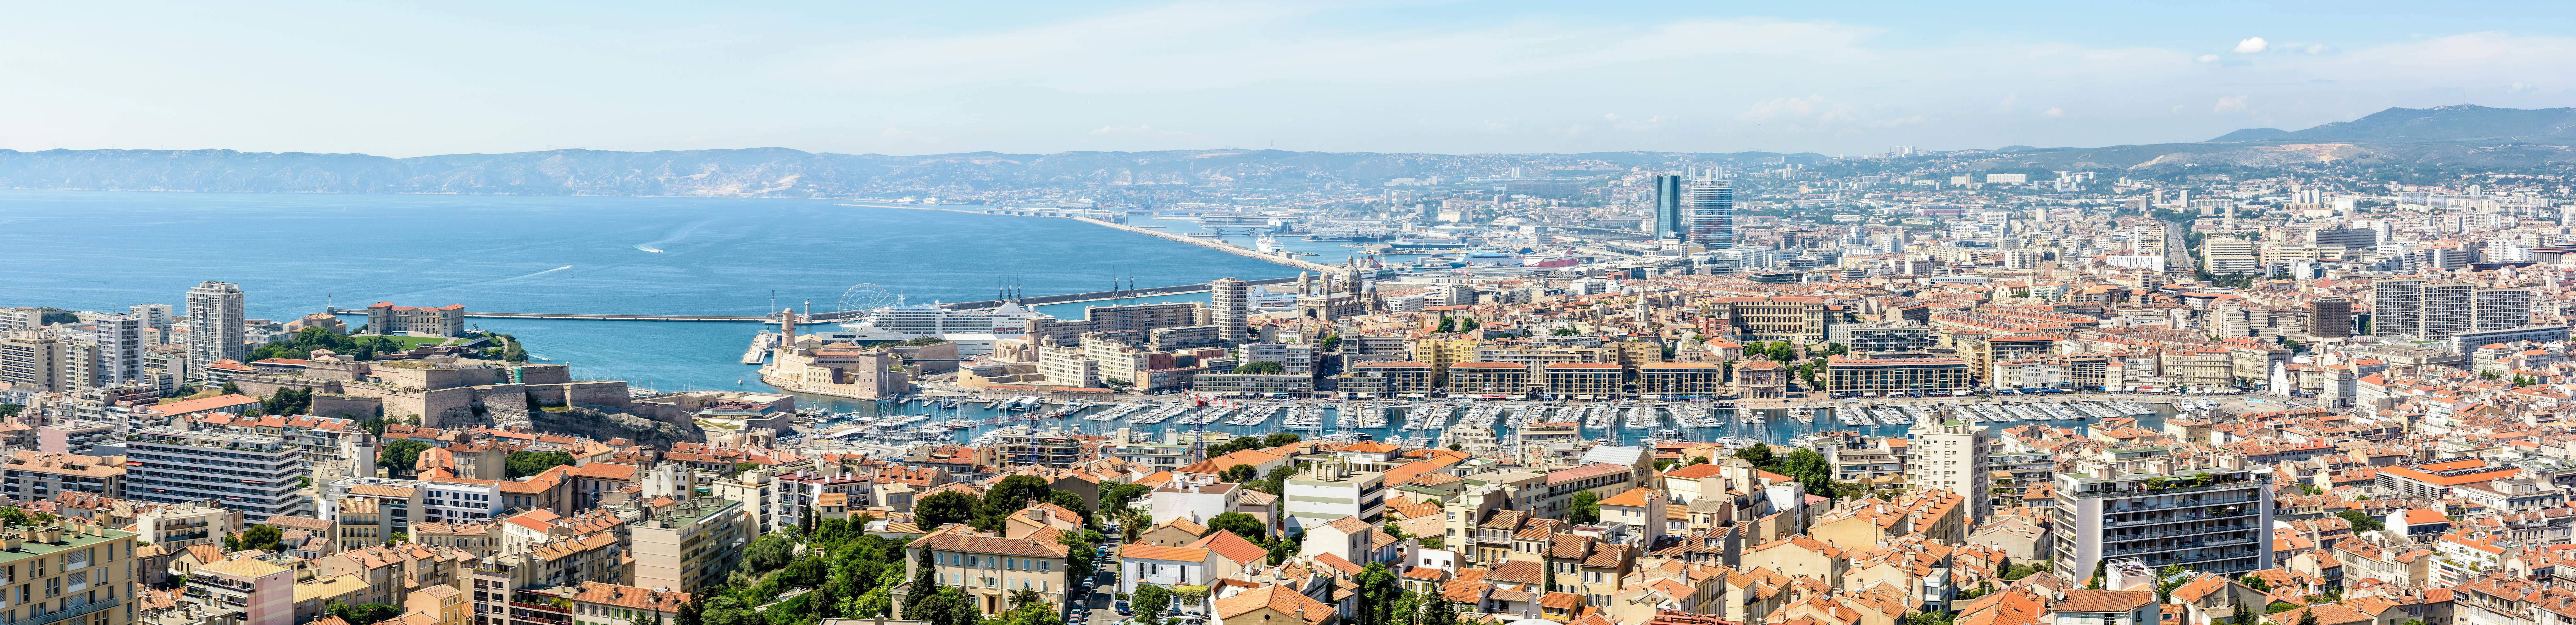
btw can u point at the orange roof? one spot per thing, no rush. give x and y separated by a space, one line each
218 402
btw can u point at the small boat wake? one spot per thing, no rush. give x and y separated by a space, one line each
641 246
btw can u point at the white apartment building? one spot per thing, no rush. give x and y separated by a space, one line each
261 476
459 501
1950 455
1325 491
2213 519
214 324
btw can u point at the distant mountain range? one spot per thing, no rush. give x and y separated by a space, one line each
2443 124
2446 136
2455 136
769 172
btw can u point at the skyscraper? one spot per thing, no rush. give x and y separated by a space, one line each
214 324
1712 214
108 351
1668 206
1229 307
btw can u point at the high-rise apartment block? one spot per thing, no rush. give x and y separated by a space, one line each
156 317
258 475
107 351
1230 308
2214 519
2435 310
1949 454
2330 318
35 360
214 324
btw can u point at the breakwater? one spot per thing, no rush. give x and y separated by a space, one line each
1222 247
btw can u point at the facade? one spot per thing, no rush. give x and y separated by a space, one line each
691 545
1390 379
261 476
1949 455
214 324
1782 318
989 568
2215 520
1712 214
386 318
1230 308
1325 491
262 593
2330 318
35 360
1585 380
1669 223
1681 379
1890 376
38 476
1487 378
1255 384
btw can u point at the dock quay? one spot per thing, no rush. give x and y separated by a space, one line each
1095 296
760 344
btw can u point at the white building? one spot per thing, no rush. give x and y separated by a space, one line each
214 324
1325 491
1949 455
261 476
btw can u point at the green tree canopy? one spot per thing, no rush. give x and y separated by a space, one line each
1587 508
527 463
1241 524
942 508
1261 367
400 455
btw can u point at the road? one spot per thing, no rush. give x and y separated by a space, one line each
2231 403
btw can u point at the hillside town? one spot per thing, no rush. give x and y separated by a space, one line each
1843 397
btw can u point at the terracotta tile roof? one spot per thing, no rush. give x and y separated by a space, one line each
1279 598
1232 547
2104 600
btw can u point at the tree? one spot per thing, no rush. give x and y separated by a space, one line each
1587 508
2099 572
942 508
1466 324
1237 474
1117 495
1282 438
528 463
1241 524
1071 501
2255 582
2361 522
1447 325
2242 614
768 553
1262 367
1378 592
400 455
287 401
1149 602
260 537
2308 617
1758 454
689 613
362 614
1015 492
10 410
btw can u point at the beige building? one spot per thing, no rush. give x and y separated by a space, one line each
37 476
1761 379
1893 376
1680 379
839 370
989 568
690 545
386 318
254 591
1488 378
1585 380
1786 318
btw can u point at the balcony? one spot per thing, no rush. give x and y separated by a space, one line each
75 612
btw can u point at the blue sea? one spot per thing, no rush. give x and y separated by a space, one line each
295 254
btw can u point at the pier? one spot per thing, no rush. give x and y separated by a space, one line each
1096 296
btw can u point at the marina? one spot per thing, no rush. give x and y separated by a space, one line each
1484 427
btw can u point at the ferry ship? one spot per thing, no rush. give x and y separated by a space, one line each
1267 245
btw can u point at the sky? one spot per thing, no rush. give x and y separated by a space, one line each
415 79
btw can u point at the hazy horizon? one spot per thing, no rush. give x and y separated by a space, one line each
1419 77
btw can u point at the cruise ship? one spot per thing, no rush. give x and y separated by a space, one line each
904 322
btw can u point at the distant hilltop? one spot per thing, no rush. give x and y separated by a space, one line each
2448 136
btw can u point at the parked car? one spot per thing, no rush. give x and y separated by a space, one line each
1121 607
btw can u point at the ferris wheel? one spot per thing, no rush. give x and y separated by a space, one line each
863 298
